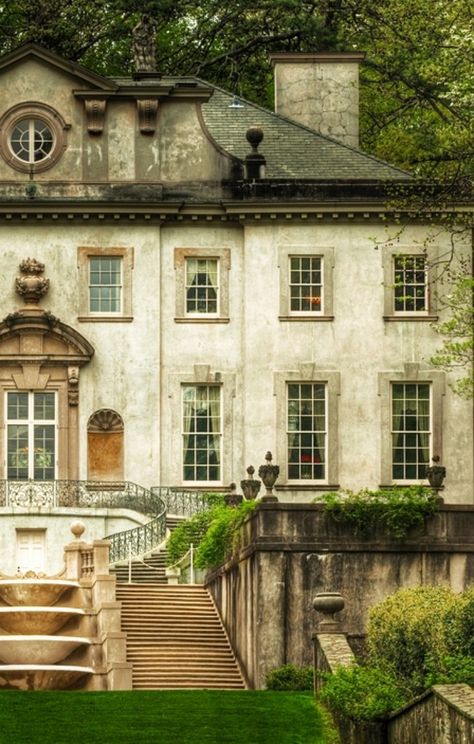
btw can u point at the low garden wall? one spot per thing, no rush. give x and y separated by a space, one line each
290 552
445 713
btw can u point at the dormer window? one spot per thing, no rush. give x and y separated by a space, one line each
32 137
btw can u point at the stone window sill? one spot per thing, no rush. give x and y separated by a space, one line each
305 318
202 319
411 318
307 487
105 318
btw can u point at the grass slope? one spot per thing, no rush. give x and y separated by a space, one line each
161 717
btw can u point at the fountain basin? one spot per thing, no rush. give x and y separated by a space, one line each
36 620
38 649
41 592
40 676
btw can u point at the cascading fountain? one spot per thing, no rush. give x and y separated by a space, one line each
33 656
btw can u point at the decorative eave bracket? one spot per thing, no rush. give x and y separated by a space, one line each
147 109
95 114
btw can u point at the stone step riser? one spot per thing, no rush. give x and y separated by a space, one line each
175 639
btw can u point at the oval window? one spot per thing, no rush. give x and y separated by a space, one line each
31 140
32 136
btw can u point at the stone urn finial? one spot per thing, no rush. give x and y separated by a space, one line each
249 485
327 604
78 529
233 498
31 286
269 473
436 474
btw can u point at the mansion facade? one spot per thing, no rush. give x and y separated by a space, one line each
189 280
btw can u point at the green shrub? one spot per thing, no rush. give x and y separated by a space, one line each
407 633
189 531
222 536
362 693
450 670
290 678
460 625
397 510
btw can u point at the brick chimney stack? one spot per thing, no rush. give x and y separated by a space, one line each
320 91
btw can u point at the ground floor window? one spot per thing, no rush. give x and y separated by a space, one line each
202 433
31 435
411 430
306 431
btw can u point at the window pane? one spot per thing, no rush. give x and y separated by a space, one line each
305 274
202 285
31 448
201 432
411 430
17 452
105 284
17 406
410 284
306 431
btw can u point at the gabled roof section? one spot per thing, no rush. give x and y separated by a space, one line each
35 51
292 151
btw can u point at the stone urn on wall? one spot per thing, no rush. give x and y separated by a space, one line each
31 286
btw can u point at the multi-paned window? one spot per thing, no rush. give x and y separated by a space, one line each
411 430
410 284
306 431
306 284
202 433
105 284
31 435
31 140
202 286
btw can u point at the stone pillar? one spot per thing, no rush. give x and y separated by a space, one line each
320 91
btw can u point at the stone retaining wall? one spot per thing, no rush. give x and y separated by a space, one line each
290 552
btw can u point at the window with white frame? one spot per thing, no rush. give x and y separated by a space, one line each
202 286
306 284
306 431
410 284
105 284
411 430
202 433
306 273
31 435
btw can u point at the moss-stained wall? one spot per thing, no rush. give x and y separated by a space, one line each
291 552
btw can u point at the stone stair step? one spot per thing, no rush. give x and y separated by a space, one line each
175 638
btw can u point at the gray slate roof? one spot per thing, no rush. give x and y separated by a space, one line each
292 151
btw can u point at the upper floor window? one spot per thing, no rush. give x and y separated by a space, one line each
306 284
32 136
411 430
105 284
202 286
31 140
202 433
31 435
410 284
306 431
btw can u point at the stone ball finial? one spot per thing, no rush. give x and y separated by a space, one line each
251 470
78 529
254 136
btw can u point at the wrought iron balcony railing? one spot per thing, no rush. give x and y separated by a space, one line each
135 542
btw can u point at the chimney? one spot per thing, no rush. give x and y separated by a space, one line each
320 91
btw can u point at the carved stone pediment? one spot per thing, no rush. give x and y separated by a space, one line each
41 338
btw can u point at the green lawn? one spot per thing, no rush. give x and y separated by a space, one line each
162 717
